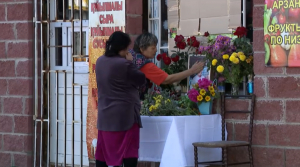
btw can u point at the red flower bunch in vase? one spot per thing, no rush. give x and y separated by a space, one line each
178 60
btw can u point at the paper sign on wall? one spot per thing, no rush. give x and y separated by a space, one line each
282 33
105 17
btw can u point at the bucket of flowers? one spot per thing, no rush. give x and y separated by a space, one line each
203 93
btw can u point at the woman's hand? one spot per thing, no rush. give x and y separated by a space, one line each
129 56
197 67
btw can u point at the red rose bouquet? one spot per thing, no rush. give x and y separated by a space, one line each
178 60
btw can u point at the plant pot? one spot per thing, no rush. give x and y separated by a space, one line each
205 108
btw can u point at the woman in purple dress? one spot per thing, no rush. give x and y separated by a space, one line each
119 104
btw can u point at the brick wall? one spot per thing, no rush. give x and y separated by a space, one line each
276 130
134 21
16 83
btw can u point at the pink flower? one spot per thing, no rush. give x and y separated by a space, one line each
192 94
204 83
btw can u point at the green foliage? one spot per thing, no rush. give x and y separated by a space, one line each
162 104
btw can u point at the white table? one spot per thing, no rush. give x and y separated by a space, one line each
168 139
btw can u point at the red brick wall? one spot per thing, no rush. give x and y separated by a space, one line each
134 22
16 83
276 130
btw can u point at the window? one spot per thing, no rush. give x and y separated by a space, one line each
158 24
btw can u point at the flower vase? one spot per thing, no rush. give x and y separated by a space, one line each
221 87
205 108
235 89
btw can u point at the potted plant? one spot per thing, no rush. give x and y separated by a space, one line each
162 103
203 93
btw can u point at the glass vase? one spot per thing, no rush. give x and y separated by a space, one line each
235 89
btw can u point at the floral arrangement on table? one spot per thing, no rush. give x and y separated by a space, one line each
177 61
203 91
162 103
231 58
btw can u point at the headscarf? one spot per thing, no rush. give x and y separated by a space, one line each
139 60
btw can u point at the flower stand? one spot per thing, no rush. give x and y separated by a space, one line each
205 108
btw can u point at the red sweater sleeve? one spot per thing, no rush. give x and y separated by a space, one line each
153 73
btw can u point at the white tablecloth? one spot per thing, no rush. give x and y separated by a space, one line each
168 139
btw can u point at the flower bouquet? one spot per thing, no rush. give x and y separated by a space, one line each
177 62
203 94
228 58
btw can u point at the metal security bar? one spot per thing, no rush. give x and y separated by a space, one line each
44 105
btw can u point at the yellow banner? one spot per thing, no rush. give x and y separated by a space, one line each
91 125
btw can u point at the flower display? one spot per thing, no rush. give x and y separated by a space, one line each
203 91
230 57
177 61
162 103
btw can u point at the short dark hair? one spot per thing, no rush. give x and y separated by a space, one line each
144 41
117 41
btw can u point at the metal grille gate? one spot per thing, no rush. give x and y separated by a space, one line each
42 95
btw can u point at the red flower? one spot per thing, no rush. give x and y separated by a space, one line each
196 44
191 40
175 59
206 34
240 32
167 60
181 45
179 38
164 55
158 57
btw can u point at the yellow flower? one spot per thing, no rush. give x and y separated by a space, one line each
220 68
196 86
240 53
214 62
231 58
207 98
158 101
213 94
202 92
236 61
251 57
156 106
167 101
151 108
211 88
199 98
159 97
242 57
226 56
248 60
234 54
